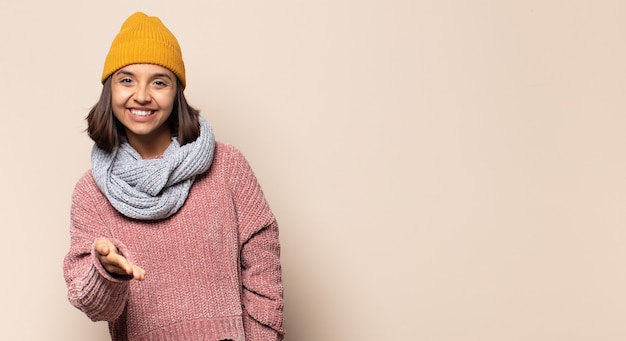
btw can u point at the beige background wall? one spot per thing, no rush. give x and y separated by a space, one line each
442 170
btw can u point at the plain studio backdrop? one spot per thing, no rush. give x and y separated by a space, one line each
441 170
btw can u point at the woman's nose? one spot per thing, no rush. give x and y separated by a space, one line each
142 94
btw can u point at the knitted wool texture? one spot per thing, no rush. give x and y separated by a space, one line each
144 39
212 269
154 188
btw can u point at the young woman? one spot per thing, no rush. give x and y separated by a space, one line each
171 236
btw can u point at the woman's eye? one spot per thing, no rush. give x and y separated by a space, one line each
160 83
125 80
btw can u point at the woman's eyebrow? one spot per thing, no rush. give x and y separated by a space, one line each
156 75
125 72
161 75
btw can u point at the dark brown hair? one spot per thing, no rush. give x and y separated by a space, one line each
105 130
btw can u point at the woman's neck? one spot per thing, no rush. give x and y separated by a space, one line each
150 147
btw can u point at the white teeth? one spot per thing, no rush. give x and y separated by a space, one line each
140 112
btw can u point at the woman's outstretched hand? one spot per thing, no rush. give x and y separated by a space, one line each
116 264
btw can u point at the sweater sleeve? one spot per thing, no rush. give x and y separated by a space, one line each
90 287
260 256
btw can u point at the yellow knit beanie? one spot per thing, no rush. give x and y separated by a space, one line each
144 39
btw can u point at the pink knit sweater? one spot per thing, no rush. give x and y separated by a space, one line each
212 269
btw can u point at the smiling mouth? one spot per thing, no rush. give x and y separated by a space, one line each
141 112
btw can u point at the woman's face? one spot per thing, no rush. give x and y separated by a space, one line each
142 100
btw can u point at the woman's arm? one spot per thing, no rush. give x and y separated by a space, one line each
91 288
260 255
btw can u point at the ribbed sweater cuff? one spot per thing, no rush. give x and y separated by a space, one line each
104 297
258 331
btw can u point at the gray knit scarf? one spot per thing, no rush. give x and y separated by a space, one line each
154 188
